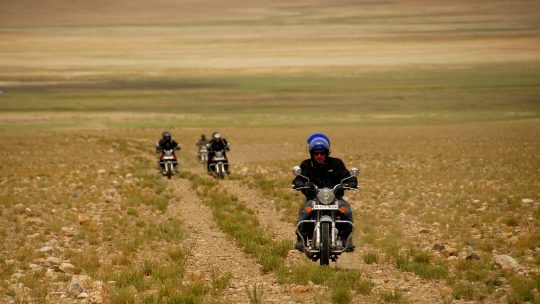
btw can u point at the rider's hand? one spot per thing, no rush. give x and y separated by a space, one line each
299 184
350 185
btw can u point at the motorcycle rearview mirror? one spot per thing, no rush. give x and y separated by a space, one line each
354 171
296 170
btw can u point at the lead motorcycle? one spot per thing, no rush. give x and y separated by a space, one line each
219 165
168 163
325 244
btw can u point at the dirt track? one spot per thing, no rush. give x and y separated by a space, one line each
211 250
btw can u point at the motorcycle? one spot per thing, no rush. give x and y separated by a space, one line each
203 155
218 165
168 163
325 243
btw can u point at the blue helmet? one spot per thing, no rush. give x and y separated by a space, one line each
318 141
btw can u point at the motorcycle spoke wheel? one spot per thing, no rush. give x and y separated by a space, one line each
325 244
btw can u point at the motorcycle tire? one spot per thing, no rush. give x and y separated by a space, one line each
169 170
325 244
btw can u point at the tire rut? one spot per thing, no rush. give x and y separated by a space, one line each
269 217
211 250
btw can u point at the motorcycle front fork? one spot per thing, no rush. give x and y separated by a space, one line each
334 239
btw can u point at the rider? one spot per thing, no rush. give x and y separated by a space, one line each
166 143
217 143
323 171
202 142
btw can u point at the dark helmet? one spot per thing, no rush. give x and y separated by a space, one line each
216 136
318 141
203 137
166 135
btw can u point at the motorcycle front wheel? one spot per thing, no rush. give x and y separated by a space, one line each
169 170
325 244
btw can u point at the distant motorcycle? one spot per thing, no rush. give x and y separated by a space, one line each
219 165
324 244
203 155
168 163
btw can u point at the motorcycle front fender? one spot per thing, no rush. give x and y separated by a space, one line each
326 218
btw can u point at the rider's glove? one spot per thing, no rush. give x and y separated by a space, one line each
352 185
299 184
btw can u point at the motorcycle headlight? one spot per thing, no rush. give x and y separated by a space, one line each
326 196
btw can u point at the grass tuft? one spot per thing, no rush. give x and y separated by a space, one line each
394 296
463 290
419 262
220 282
371 258
341 295
524 289
255 294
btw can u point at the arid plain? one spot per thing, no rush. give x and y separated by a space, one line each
437 103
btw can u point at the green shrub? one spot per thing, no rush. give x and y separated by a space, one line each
523 290
341 295
176 254
132 212
511 221
220 282
371 258
394 296
131 277
86 261
421 256
122 296
464 290
364 286
473 270
426 271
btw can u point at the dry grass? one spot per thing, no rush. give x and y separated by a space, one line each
433 186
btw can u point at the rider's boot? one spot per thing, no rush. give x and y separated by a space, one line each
299 244
350 246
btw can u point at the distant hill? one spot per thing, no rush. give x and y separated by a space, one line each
30 13
36 13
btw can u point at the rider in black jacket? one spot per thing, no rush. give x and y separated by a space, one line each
166 143
323 171
217 143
